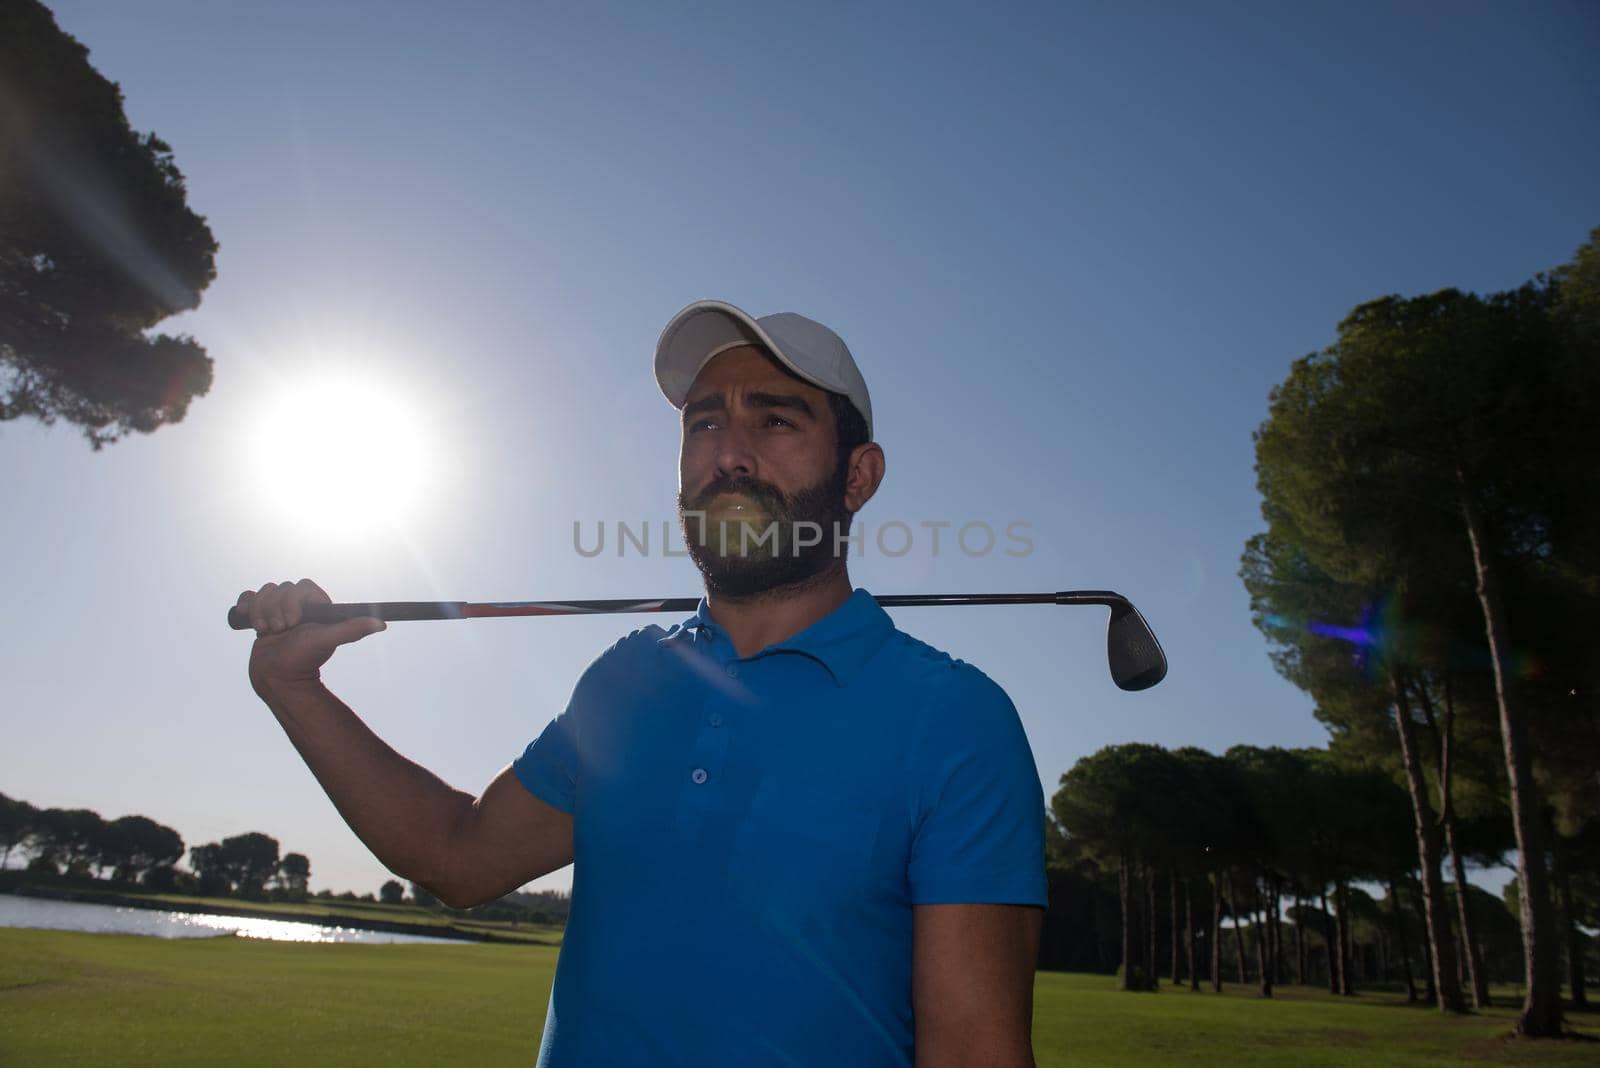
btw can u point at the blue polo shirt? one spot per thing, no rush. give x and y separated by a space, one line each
751 834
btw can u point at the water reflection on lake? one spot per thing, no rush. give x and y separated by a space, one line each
110 919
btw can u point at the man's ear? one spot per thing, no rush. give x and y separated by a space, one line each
863 476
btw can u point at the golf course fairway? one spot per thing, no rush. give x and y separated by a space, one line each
77 998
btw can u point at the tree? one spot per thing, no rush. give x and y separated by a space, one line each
1210 821
1117 803
1080 924
249 860
241 864
1339 637
392 892
97 246
421 895
167 879
294 872
16 824
1273 781
132 845
1436 424
69 837
211 876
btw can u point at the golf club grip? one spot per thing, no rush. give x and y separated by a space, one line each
386 610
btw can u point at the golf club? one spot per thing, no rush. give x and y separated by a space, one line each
1136 659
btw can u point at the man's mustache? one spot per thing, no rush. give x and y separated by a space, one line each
763 493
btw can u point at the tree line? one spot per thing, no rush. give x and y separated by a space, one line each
138 852
1256 866
70 846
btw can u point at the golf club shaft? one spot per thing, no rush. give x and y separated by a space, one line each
395 611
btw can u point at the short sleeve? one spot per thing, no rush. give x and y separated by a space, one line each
548 768
980 835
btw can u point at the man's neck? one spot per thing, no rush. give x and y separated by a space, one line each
755 622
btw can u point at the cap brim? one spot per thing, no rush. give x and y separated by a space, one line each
701 331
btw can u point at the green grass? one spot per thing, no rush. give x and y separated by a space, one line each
1084 1020
80 998
67 997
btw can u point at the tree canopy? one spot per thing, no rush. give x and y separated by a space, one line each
97 246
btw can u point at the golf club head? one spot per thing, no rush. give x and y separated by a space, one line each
1137 662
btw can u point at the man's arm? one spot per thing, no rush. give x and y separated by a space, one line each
972 984
465 850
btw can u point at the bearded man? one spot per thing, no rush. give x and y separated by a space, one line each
799 835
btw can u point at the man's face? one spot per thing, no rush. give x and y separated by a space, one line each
758 475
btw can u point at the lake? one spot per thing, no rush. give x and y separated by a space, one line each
18 911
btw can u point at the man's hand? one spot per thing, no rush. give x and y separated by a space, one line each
287 652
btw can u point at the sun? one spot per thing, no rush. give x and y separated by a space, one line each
341 455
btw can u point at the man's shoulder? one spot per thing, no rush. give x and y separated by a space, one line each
945 680
642 639
627 652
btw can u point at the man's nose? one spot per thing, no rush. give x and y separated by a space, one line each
735 451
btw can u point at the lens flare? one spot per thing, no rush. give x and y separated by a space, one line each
1382 629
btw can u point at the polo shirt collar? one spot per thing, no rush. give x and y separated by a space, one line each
842 641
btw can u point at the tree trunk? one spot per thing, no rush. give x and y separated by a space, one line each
1430 992
1172 903
1575 976
1278 974
1152 978
1433 903
1238 935
1299 940
1476 975
1541 1009
1124 897
1216 933
1263 944
1341 927
1188 931
1334 978
1469 957
1404 944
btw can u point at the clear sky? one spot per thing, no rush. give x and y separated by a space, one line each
1072 248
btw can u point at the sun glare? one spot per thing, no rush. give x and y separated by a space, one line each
341 456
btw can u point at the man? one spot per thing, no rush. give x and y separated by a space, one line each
801 837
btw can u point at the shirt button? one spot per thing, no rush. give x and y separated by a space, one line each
733 671
715 719
698 775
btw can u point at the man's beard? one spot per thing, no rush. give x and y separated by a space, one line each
791 539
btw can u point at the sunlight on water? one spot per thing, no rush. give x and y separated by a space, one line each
107 919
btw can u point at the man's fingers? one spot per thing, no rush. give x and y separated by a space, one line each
278 606
297 594
289 600
311 593
261 606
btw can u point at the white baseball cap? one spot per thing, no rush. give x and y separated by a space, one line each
806 347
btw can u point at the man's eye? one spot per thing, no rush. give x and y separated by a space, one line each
778 420
701 424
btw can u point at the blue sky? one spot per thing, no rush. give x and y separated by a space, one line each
1071 248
